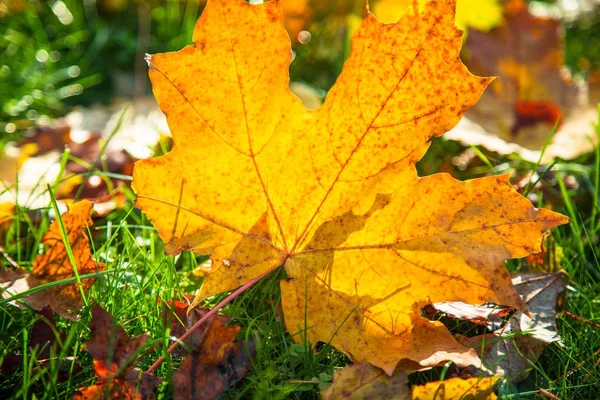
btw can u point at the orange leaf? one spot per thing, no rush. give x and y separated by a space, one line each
258 181
55 265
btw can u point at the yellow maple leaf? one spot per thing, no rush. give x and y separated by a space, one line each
258 181
55 265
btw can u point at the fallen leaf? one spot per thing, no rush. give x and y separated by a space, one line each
114 354
55 265
489 315
7 211
456 389
258 181
533 92
364 381
215 363
512 349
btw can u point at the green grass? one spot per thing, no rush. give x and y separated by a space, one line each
139 274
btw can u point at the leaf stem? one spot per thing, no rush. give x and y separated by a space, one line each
209 314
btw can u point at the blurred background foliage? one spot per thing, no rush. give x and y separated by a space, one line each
56 54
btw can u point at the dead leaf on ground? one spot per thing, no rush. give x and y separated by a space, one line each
55 265
216 361
114 354
364 381
512 356
489 315
517 113
258 181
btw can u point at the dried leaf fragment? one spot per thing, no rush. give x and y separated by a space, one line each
55 265
333 194
114 354
524 338
364 381
215 363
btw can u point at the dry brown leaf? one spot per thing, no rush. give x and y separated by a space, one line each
512 356
364 381
488 315
216 361
7 211
55 265
258 181
114 354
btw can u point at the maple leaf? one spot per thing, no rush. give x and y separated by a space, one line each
362 381
55 265
258 181
457 388
114 354
216 361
